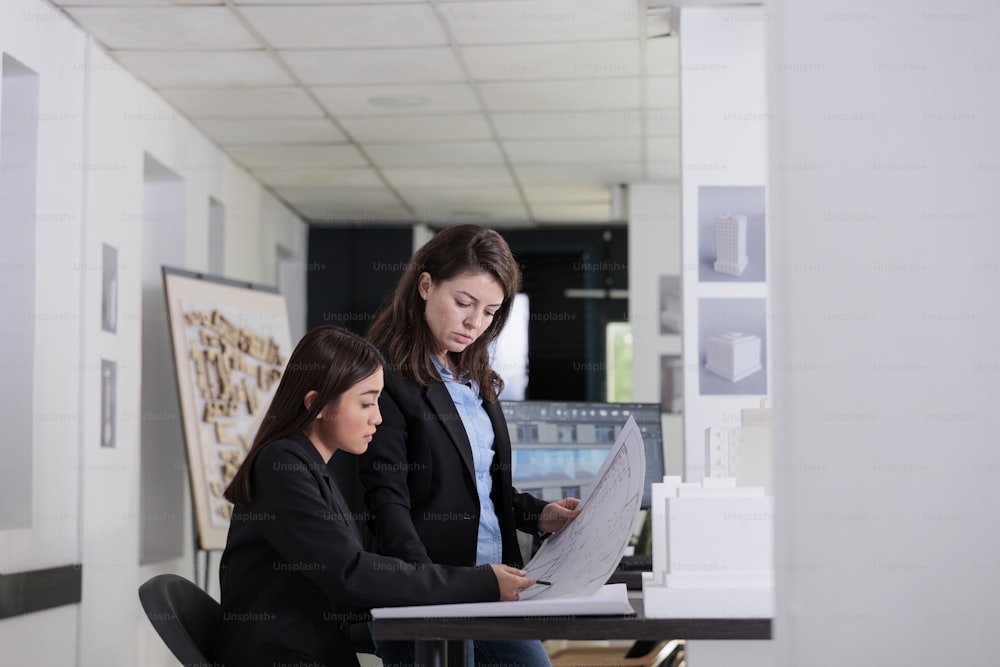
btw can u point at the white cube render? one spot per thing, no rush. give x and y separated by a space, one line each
733 355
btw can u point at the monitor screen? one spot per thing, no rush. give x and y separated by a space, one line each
558 447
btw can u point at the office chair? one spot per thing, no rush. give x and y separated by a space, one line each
186 617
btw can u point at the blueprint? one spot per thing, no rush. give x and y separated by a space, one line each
580 558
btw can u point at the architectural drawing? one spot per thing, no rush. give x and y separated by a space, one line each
580 558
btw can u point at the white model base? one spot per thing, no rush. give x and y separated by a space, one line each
748 602
731 268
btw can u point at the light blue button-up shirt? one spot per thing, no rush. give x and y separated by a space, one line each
465 394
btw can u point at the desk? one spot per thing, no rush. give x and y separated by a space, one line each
432 634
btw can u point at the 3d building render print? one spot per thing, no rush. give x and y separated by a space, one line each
295 571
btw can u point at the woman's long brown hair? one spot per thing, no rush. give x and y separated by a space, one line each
329 360
400 330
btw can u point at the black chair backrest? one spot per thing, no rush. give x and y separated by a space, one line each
186 617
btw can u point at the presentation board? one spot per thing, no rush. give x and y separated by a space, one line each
231 342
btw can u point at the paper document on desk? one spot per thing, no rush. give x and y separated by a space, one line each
609 600
582 556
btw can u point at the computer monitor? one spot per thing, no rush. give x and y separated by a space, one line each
558 447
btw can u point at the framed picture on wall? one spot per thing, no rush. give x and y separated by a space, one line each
732 346
731 245
109 288
230 342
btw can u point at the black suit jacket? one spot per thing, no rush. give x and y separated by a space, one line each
294 569
420 484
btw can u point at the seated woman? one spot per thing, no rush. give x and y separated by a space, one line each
294 567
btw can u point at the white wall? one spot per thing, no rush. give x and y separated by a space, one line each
654 250
723 143
887 368
96 126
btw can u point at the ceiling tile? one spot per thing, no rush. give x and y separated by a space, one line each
435 154
440 98
663 57
374 66
664 171
134 3
322 2
344 205
265 130
575 60
663 92
663 149
296 157
319 178
242 102
171 69
397 129
569 125
531 175
567 194
550 152
594 94
348 26
174 28
663 122
448 177
523 21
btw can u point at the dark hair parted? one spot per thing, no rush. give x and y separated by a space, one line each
401 331
330 360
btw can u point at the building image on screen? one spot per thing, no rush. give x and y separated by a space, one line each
558 447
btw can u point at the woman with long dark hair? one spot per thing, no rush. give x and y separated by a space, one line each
438 477
294 571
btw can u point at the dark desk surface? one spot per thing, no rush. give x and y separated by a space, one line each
573 627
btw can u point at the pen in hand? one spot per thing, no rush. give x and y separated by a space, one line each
543 583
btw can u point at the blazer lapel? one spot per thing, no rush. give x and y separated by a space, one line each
444 411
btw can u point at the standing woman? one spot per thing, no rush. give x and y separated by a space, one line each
438 476
294 569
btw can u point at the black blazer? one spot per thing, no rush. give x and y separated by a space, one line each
420 484
294 569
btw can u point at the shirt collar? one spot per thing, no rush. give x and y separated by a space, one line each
445 372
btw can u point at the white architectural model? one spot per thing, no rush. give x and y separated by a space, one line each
731 244
713 551
743 452
733 355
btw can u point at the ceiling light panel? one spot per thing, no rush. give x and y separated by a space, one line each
588 95
574 213
464 197
349 26
440 98
242 102
297 157
399 129
435 154
568 125
171 69
576 60
265 130
540 20
431 64
454 177
174 28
